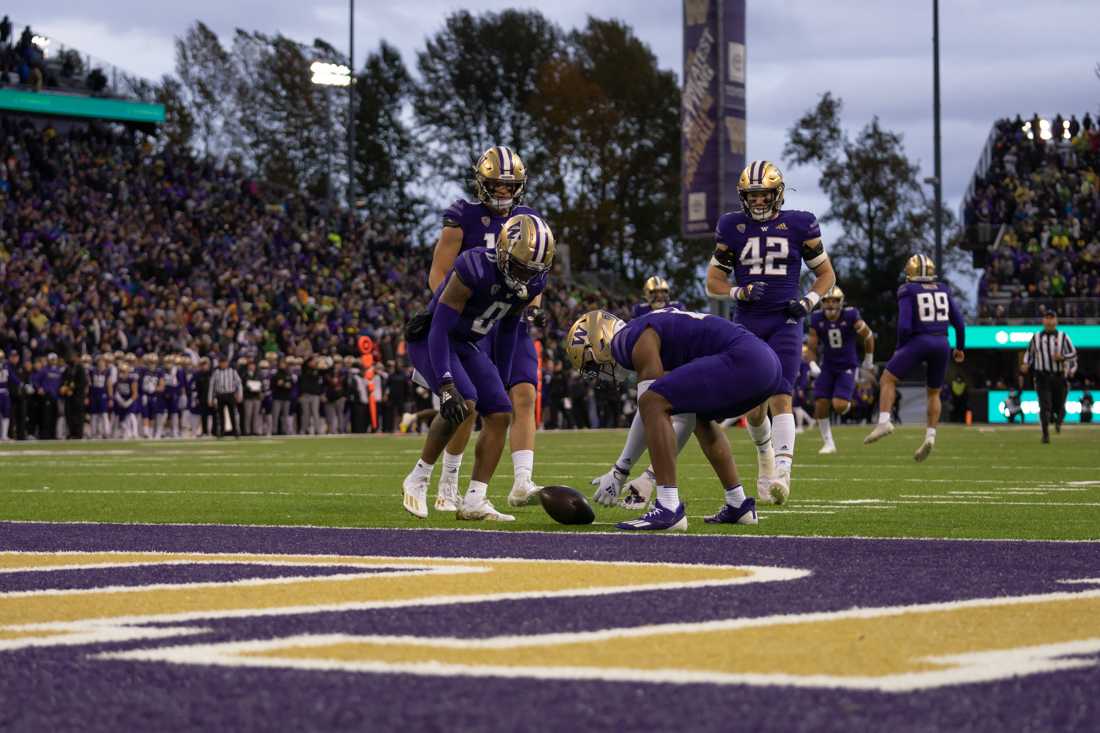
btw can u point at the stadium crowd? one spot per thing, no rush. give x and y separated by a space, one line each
149 262
1038 210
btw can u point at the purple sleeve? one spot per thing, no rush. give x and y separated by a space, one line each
956 318
856 317
444 319
905 316
506 339
471 267
813 229
452 216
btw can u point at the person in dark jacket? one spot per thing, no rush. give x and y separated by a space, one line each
74 392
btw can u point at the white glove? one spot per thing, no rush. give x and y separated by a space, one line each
608 486
868 361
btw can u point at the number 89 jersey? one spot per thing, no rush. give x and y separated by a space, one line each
926 308
768 251
480 225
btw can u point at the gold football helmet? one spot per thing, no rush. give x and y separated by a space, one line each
832 302
761 176
500 167
588 345
920 269
525 250
656 292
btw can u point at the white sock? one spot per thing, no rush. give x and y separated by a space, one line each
826 429
423 470
635 439
684 426
451 465
735 496
4 427
761 434
883 418
523 463
669 496
783 440
930 435
477 491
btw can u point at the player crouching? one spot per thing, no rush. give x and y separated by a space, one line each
686 363
483 287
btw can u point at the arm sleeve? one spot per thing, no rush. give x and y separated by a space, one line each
506 338
444 319
905 318
1029 355
956 317
1070 355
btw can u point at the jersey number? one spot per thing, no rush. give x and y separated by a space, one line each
491 315
836 338
932 306
677 311
775 251
490 240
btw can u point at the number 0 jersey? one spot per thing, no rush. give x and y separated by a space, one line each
926 308
479 224
491 299
768 251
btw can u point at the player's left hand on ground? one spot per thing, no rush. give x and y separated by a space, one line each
608 487
451 405
799 308
538 317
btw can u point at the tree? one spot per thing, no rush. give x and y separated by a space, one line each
876 197
178 129
207 83
385 149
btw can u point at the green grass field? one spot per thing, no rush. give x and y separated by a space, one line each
980 483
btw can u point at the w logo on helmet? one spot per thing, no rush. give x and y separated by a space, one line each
580 336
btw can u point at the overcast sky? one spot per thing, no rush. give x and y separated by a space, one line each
997 59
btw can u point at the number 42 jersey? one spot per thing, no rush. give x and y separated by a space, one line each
768 251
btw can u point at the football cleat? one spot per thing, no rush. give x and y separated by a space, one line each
637 493
765 469
778 490
523 493
407 421
881 431
658 518
446 498
416 495
481 509
924 450
827 450
744 514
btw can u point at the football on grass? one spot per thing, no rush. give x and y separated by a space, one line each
566 505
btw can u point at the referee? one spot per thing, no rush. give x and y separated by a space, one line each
1051 358
226 391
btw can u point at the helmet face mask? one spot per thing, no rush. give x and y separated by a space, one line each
761 190
588 347
525 250
500 168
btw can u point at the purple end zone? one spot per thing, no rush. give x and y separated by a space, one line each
63 687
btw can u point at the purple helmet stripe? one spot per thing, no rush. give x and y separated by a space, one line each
540 239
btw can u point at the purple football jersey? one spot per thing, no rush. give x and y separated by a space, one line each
766 251
685 336
640 309
836 339
491 300
479 224
926 308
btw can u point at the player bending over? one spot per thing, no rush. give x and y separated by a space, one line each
485 286
687 363
925 307
763 247
833 334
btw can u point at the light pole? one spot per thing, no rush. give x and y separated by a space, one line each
329 76
938 174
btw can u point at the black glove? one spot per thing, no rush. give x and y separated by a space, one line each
538 317
418 326
451 405
799 308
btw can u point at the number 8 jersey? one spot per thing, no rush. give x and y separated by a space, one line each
768 251
926 308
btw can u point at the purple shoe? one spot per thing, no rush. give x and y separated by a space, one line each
659 518
746 514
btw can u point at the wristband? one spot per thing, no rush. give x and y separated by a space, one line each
814 298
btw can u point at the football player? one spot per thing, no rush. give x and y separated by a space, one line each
925 307
687 363
100 398
832 340
151 401
500 181
655 294
485 292
762 247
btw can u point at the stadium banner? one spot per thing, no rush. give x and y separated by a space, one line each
1029 401
712 115
68 105
1016 338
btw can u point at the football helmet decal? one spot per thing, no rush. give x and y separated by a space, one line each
656 292
500 167
761 177
920 268
588 345
525 250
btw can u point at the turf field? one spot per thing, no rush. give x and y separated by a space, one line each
979 483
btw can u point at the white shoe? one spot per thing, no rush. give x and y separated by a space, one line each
407 420
523 493
416 495
765 470
881 431
778 490
827 449
483 509
446 498
922 452
637 493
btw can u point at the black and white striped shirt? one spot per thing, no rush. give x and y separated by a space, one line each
225 381
1043 347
